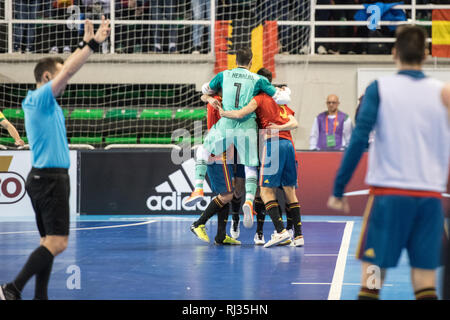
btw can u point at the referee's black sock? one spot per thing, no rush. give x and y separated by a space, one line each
39 260
41 283
273 210
222 219
214 206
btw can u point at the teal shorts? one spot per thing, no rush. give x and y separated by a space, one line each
243 134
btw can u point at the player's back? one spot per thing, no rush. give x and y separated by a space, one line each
239 85
411 148
269 112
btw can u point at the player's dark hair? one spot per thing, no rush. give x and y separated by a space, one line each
266 73
243 56
410 44
46 64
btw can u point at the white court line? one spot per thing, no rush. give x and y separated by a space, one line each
338 277
88 228
329 283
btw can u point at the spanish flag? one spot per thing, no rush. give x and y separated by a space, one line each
440 37
264 45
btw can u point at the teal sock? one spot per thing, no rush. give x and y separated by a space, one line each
200 173
250 188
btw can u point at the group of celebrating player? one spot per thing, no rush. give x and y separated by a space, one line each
239 103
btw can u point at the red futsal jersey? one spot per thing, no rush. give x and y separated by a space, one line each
213 114
268 111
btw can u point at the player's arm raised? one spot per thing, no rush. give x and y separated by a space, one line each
79 57
241 113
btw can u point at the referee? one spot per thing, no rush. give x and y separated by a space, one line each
48 182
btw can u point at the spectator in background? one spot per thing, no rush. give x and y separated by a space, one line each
24 33
201 10
291 38
164 10
332 129
61 36
130 38
335 31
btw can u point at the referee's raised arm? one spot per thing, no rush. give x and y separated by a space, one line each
90 44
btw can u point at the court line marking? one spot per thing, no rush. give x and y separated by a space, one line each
87 228
338 276
329 283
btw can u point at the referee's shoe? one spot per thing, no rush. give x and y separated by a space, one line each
7 294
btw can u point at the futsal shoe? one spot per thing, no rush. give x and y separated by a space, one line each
247 208
7 294
298 241
195 197
228 241
259 239
278 238
200 232
288 241
234 229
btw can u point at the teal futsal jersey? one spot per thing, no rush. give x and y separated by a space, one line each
238 86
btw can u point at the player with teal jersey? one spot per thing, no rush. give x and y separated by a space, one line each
238 86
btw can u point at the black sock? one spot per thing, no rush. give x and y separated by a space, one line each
214 206
38 260
222 219
294 212
273 210
288 218
260 216
368 294
426 294
235 217
41 283
236 204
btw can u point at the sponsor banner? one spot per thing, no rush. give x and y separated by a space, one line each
148 182
14 169
137 182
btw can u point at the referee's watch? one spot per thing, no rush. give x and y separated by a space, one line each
82 44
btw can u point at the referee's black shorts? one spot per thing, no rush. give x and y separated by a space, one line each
49 191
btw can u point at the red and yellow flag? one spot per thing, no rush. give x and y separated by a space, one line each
264 45
440 37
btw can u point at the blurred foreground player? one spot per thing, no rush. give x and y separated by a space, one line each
48 181
407 169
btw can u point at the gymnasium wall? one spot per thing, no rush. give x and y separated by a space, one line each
311 78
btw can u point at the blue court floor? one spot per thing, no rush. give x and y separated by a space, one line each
158 258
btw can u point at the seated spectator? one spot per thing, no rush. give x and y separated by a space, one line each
335 31
24 33
331 129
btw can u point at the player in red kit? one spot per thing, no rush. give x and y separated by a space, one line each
278 163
